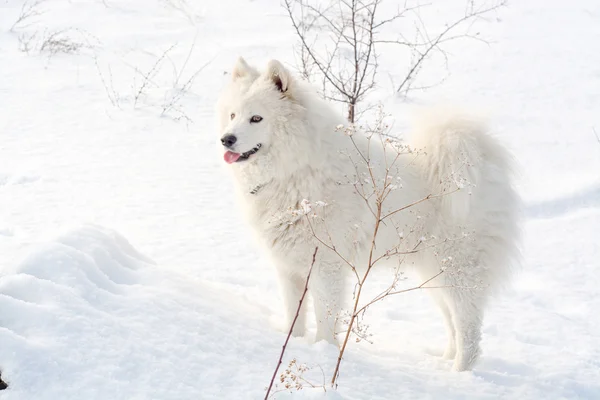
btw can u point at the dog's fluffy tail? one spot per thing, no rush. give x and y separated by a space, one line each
472 172
462 163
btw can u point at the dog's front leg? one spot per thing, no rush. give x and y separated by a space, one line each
327 289
292 287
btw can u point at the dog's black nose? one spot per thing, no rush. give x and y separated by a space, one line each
228 140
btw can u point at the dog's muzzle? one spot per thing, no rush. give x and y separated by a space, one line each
231 157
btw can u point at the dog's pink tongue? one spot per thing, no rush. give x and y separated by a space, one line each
231 157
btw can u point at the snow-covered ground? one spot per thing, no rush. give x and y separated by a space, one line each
179 304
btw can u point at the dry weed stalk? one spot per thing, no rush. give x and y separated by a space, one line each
29 10
287 339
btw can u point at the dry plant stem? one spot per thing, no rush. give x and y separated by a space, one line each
306 46
356 311
150 75
170 104
353 26
113 96
357 297
379 218
28 10
389 292
287 339
442 37
429 196
59 42
332 248
396 252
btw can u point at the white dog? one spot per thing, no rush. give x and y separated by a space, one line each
284 144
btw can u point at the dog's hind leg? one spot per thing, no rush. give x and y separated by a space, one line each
466 307
462 308
428 268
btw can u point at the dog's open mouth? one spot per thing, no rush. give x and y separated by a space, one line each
231 157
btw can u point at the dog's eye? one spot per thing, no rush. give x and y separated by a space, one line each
256 118
232 116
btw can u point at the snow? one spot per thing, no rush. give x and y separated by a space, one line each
179 303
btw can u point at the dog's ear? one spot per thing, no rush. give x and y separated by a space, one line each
279 75
242 69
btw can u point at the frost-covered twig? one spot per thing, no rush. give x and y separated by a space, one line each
109 88
150 75
339 44
430 44
29 9
168 94
428 197
26 41
61 42
178 92
287 339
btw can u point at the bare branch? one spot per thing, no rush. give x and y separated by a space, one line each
113 96
287 339
309 51
331 247
433 44
179 92
29 10
429 196
150 74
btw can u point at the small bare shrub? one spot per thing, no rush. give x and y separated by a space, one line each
62 42
27 42
340 41
151 89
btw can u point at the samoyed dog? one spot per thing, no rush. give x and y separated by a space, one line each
444 204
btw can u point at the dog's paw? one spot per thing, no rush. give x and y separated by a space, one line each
282 325
449 354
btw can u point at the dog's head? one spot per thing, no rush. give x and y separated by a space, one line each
253 110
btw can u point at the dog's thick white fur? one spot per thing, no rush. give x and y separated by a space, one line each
294 152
